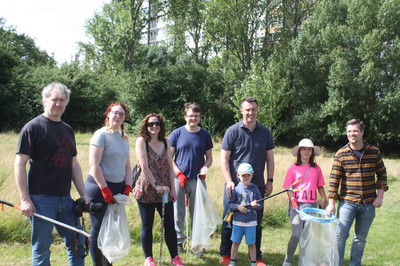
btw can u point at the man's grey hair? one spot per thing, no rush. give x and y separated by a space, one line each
59 87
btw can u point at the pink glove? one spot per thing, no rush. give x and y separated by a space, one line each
182 179
108 195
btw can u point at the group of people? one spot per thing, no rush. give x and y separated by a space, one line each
172 166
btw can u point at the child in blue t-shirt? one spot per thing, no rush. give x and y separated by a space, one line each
244 205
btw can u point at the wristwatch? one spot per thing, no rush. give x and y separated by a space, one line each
270 180
155 184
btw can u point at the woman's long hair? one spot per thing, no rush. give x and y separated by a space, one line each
312 158
144 132
107 120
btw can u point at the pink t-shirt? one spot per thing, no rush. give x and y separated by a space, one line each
314 179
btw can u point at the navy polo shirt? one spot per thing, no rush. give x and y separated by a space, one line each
248 147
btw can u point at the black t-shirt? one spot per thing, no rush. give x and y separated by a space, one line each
51 147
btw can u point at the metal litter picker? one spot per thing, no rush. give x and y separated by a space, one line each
2 202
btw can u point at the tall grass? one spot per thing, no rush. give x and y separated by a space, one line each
382 247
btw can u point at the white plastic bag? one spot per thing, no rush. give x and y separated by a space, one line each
205 219
114 239
318 245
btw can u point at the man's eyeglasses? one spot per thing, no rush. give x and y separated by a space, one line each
118 113
193 116
152 124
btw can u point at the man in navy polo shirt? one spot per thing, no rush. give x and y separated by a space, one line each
246 142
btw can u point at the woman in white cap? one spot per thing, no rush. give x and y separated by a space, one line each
310 173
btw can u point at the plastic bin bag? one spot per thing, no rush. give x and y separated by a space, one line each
318 245
205 219
114 239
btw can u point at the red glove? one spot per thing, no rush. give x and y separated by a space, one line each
294 204
182 179
108 195
127 190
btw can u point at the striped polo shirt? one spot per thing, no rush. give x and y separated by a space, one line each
356 178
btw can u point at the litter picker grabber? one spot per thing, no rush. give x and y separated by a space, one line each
2 202
228 217
164 200
389 208
187 220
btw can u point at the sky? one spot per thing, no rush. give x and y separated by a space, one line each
55 25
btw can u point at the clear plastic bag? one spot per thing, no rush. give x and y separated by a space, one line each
205 219
318 245
114 239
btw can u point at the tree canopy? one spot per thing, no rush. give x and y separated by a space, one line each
312 65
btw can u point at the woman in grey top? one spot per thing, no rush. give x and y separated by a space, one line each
109 170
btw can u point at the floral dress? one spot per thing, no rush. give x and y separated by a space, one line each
144 191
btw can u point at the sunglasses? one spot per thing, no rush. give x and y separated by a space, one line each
152 124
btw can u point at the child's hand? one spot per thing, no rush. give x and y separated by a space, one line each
323 203
254 204
242 209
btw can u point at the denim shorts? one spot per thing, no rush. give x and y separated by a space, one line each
249 232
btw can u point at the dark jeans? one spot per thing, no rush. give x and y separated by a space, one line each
226 230
147 215
96 219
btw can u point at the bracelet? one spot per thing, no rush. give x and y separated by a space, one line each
270 180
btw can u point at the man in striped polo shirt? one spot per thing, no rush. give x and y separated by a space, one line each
354 169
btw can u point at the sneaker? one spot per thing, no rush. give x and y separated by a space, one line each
225 260
149 262
180 248
286 264
177 261
260 263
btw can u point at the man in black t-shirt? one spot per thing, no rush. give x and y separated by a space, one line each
49 145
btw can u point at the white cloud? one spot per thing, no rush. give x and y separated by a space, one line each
56 25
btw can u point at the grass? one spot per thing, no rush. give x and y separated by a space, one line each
382 246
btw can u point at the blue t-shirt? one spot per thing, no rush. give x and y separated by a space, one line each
248 147
51 147
190 149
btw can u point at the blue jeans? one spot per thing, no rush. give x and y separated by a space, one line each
60 209
364 216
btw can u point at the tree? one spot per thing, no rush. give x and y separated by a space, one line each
270 90
235 26
164 84
187 20
116 32
345 64
19 56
